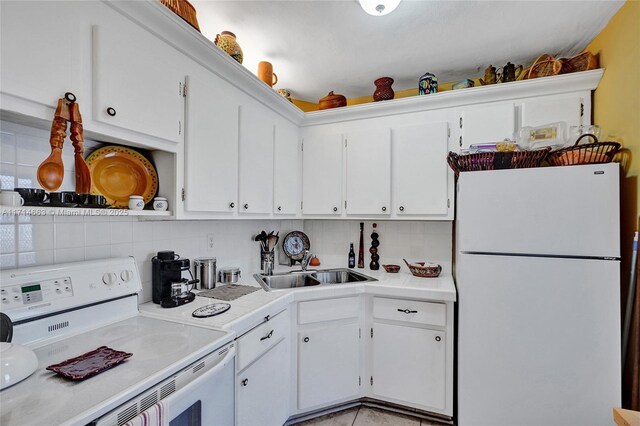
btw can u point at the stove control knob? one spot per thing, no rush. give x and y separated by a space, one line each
109 278
126 275
5 300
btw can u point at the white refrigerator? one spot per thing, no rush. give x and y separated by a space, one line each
538 276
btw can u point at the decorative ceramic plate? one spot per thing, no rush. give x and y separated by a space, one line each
90 363
118 172
294 245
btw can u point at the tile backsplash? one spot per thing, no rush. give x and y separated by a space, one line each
42 240
31 241
411 240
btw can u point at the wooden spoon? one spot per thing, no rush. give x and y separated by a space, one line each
83 175
51 171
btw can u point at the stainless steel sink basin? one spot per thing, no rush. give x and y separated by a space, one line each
340 276
302 279
278 282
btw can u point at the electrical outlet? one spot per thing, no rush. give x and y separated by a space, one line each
209 242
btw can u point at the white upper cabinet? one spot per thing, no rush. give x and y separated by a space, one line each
45 51
137 80
286 170
420 170
256 158
322 174
368 172
211 145
552 109
486 123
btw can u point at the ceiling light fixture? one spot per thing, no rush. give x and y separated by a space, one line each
379 7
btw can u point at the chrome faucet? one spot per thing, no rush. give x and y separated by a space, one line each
305 260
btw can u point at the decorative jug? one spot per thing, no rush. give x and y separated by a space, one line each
227 42
510 72
428 84
489 76
383 92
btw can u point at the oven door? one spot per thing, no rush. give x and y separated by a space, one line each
200 395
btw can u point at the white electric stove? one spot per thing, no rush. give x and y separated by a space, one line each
63 311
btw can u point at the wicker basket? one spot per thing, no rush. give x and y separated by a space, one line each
419 270
183 9
591 153
496 160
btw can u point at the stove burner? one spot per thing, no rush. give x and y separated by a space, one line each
211 310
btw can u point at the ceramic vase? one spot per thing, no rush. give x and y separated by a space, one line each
226 41
383 92
428 84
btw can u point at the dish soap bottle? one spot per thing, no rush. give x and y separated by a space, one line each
374 265
352 257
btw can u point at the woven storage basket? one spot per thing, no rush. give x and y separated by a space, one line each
496 160
183 9
591 153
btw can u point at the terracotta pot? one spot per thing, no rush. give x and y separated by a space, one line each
332 101
383 92
227 42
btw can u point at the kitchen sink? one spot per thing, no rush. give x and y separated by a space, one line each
302 279
340 276
284 281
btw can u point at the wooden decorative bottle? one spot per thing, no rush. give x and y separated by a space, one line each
374 265
361 247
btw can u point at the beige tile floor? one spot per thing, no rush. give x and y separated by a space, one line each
366 416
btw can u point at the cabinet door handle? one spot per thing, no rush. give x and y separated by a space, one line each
306 340
384 208
438 338
111 111
246 206
279 208
268 336
335 209
232 205
245 382
407 311
401 208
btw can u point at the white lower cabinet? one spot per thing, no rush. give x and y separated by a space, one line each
263 368
408 365
262 389
328 364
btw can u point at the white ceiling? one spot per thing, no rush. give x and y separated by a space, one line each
319 45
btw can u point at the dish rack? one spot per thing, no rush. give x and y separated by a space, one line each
496 160
419 270
591 153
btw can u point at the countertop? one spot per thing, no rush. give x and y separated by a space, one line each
248 310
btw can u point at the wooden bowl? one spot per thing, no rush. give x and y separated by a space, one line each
392 269
332 100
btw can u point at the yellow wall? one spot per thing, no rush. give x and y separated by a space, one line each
617 99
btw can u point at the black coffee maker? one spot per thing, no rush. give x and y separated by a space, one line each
166 272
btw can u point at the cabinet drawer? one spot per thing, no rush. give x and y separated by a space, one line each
328 310
261 338
411 311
